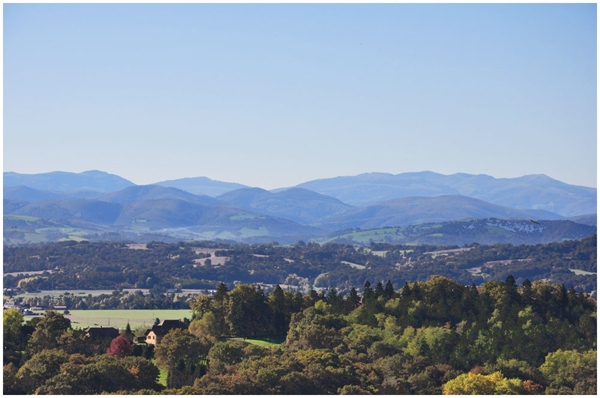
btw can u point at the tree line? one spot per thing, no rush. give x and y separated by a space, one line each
433 337
164 266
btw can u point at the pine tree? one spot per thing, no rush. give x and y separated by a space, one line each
379 291
405 291
389 290
353 300
367 293
128 332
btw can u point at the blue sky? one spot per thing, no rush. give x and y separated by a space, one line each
274 95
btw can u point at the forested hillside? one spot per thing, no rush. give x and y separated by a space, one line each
302 266
430 337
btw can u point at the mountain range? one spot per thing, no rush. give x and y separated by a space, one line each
94 202
527 192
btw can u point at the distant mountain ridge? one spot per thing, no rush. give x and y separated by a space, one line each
141 193
419 210
527 192
62 181
202 185
465 232
85 204
536 191
296 204
34 195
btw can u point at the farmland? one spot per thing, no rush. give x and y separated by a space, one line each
119 318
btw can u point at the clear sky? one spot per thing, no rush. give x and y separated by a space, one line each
274 95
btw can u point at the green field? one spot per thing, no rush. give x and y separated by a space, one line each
267 341
581 272
119 318
24 218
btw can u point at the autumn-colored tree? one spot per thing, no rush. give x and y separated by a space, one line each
120 347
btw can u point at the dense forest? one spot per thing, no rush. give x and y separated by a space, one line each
432 337
203 265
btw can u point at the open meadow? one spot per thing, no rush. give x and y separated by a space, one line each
119 318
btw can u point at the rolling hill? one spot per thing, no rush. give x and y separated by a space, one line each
61 181
296 204
465 232
29 194
202 186
527 192
418 210
140 193
175 217
93 211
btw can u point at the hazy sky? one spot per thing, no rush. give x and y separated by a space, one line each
275 95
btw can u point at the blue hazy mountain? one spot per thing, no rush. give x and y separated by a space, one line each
62 181
418 210
140 193
527 192
296 204
202 185
28 194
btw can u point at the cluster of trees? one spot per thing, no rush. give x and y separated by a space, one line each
164 266
432 337
429 338
135 300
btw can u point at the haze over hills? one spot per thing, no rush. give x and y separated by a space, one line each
28 194
527 192
140 193
202 185
161 215
418 210
255 213
589 219
296 204
465 232
63 181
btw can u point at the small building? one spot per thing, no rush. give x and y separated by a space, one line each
60 307
156 333
102 333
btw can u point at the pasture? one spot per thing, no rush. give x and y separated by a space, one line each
119 318
267 342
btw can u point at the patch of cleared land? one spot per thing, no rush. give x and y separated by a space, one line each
353 265
380 253
119 318
477 271
366 236
267 341
137 246
449 251
581 272
28 272
214 260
